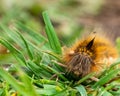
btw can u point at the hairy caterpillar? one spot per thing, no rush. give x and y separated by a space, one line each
90 54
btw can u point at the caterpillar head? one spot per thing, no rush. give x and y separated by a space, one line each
80 61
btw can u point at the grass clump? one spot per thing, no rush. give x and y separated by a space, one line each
33 72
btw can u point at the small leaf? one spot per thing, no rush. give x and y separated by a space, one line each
81 90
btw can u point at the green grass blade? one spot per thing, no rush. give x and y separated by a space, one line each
54 71
24 88
52 37
39 71
11 35
106 78
84 78
104 92
38 38
81 90
12 81
27 84
13 50
27 47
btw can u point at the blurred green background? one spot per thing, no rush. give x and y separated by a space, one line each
69 17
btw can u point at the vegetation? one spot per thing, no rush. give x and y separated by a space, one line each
29 64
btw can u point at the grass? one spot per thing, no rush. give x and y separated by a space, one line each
33 72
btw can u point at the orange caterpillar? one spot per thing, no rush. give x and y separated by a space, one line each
91 54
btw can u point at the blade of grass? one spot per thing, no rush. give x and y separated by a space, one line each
54 71
52 90
12 81
11 35
38 38
112 67
52 37
58 57
27 47
104 92
83 79
39 71
106 78
13 50
27 83
81 90
24 87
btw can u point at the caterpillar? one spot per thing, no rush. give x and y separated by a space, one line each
93 53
